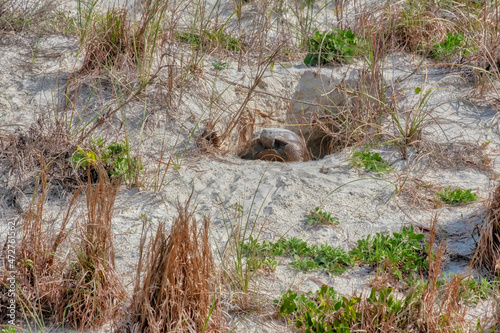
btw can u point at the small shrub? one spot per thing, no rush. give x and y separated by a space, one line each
331 47
401 253
457 196
372 162
451 45
318 216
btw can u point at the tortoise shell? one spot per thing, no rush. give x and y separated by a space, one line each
276 144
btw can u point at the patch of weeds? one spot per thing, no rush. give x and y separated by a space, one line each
317 216
115 157
456 196
189 38
207 39
326 47
451 45
27 15
471 290
333 260
372 162
308 309
401 253
220 65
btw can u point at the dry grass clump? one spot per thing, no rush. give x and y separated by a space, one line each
22 151
488 248
37 262
117 40
419 26
77 287
458 154
420 195
208 140
19 15
175 293
110 43
91 288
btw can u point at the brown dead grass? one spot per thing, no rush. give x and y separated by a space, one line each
459 154
116 40
19 15
22 151
38 275
176 292
487 253
92 290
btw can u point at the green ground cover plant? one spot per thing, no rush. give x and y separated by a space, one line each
332 260
325 311
114 156
326 47
207 38
372 162
401 253
453 44
456 196
318 216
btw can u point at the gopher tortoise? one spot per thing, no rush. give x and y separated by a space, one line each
276 144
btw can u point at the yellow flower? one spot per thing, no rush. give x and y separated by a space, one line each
90 155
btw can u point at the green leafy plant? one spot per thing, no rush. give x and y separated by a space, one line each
373 162
309 310
115 157
401 253
207 38
410 124
255 263
337 46
456 196
220 65
322 257
325 311
316 216
9 329
452 44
